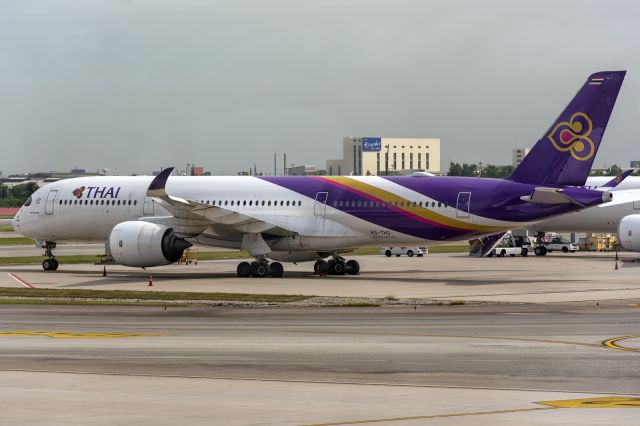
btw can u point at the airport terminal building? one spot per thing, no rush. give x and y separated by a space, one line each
369 156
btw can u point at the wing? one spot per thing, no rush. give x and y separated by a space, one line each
192 217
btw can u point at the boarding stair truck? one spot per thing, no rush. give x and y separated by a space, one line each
481 247
508 246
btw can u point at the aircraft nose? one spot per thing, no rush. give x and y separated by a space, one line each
15 221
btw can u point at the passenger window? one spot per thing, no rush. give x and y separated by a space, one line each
135 202
263 202
287 204
335 203
299 203
439 204
28 202
433 204
231 202
281 203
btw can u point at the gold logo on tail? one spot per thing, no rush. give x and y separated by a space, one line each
573 136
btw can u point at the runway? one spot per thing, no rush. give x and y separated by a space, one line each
318 366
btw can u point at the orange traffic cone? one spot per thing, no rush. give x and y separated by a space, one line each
150 281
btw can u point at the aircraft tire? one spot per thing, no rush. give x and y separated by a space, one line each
260 269
46 265
321 267
277 270
244 269
54 265
338 268
353 267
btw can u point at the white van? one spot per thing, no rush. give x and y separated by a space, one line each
399 251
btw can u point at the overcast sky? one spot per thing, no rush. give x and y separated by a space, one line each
135 85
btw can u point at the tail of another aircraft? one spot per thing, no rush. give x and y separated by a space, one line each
564 155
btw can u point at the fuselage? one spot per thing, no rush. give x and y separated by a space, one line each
603 218
323 212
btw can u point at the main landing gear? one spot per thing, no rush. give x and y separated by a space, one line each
337 265
260 268
50 263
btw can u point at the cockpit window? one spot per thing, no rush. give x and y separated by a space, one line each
28 202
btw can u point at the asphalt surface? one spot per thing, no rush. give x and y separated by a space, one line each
490 362
460 350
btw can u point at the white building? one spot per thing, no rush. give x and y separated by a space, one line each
364 156
517 155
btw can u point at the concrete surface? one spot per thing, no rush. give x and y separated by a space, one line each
552 278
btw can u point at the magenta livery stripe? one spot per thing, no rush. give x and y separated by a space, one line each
393 207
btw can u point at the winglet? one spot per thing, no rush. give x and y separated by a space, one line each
617 180
157 185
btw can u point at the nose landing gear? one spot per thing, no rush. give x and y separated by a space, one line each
50 263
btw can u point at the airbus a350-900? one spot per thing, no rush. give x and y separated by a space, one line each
147 221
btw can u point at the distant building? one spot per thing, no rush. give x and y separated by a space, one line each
306 170
334 167
634 164
517 155
393 156
197 171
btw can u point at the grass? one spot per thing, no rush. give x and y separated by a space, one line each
92 302
354 305
16 241
91 258
207 255
6 228
449 249
146 295
6 216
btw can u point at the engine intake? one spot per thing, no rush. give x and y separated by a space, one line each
629 232
144 244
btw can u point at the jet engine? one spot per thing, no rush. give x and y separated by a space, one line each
629 232
144 244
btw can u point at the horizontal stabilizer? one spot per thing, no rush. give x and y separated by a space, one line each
578 196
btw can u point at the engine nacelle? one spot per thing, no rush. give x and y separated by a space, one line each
629 232
144 244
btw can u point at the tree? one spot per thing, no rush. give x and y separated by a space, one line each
469 170
455 169
614 170
17 195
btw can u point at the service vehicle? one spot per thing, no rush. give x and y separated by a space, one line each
408 251
509 246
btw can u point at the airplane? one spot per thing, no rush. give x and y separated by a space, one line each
146 221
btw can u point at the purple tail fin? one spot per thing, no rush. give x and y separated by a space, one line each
564 155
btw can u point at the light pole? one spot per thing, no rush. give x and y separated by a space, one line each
386 161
